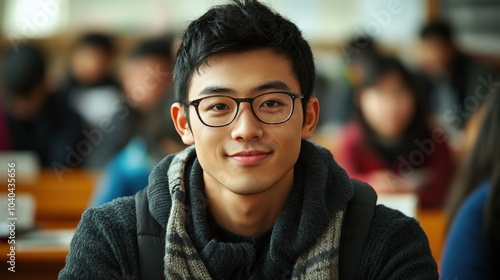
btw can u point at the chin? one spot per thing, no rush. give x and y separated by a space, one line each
249 190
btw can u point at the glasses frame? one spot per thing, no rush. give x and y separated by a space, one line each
238 101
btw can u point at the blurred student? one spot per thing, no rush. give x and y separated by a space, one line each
390 144
472 249
37 120
5 139
146 81
90 85
128 172
338 105
448 78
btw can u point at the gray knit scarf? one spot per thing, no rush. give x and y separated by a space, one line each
304 242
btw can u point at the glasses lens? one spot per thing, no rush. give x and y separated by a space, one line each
273 107
217 110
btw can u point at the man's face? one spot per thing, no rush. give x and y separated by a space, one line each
246 156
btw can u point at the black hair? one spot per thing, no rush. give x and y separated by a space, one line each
482 163
377 68
360 48
437 29
362 42
160 47
241 26
23 69
97 40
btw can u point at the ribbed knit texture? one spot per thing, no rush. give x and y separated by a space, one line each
304 241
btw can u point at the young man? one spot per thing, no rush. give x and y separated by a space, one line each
251 199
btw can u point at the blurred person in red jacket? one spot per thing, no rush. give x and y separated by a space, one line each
391 145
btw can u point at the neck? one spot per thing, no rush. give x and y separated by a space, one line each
386 139
248 215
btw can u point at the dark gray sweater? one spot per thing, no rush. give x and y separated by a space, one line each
105 244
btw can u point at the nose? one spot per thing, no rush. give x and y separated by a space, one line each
246 126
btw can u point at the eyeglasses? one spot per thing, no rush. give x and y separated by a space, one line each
269 108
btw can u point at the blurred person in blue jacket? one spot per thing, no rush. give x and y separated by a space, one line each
472 249
147 81
128 172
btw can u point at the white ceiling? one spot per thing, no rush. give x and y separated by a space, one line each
320 20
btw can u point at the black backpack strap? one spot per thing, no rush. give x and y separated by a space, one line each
149 240
356 224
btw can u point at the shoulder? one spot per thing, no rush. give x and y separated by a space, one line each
118 212
352 130
475 202
105 244
387 223
58 103
115 220
468 222
467 234
352 136
396 248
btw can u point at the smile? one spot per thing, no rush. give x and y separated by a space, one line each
249 157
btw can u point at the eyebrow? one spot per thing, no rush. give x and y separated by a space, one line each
271 85
216 90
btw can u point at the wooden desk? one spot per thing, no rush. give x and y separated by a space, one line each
60 202
40 262
434 224
61 198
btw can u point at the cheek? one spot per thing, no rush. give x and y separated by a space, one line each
131 84
208 141
371 108
406 109
288 137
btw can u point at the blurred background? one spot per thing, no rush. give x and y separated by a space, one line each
85 90
328 25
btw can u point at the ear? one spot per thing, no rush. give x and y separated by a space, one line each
181 123
311 118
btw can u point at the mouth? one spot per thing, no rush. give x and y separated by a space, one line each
251 157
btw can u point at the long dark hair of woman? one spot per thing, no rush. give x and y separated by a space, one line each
483 162
377 68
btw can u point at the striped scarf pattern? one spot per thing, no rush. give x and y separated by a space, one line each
183 261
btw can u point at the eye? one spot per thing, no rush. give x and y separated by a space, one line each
271 103
216 104
219 107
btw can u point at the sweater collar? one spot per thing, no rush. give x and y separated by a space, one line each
321 190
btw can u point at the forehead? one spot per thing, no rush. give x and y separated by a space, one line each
138 63
433 42
243 73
